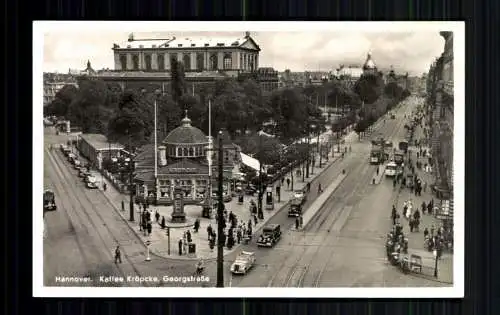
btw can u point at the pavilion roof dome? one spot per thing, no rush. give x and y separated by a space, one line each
369 64
186 134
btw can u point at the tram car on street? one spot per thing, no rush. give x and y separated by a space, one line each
49 201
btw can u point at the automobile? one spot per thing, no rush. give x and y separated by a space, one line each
83 172
49 200
295 209
226 197
300 196
71 157
391 169
77 164
243 262
271 234
64 148
91 182
388 144
393 116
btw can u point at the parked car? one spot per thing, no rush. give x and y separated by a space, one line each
243 262
77 164
295 208
71 157
271 234
83 172
92 182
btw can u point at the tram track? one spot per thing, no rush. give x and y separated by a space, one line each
347 198
66 187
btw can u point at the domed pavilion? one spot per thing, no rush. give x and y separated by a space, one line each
182 162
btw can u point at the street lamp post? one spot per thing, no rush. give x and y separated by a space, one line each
220 218
210 154
319 149
260 212
435 252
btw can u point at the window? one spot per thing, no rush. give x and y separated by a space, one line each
228 61
161 62
241 61
147 60
186 59
213 62
191 152
199 62
123 62
179 152
185 152
173 58
135 62
245 59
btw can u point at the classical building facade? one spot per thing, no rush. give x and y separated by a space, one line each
53 82
146 63
440 104
182 162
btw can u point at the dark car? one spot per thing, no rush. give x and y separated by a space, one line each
295 209
271 234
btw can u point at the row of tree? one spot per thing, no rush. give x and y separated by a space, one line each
237 106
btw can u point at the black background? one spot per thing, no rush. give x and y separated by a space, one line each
481 106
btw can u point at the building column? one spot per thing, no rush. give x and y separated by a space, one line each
130 64
194 193
234 61
193 61
166 58
154 61
220 60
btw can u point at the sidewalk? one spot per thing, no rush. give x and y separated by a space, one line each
160 241
416 239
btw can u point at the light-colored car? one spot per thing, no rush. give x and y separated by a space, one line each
91 182
77 164
299 195
243 262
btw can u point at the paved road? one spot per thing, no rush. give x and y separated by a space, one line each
82 234
343 245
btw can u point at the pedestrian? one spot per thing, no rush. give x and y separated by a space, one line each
150 228
118 255
297 223
288 183
238 235
162 222
123 205
424 206
320 190
255 219
209 231
377 170
104 186
180 247
157 216
188 236
301 221
196 225
425 186
282 180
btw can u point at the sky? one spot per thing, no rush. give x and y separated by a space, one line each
406 50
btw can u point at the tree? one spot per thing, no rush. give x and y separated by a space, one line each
63 98
369 87
178 82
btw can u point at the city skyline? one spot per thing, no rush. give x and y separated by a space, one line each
308 50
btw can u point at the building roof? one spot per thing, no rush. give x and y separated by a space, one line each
100 142
186 134
188 43
350 71
250 161
158 74
184 166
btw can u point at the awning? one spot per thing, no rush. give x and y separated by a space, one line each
250 161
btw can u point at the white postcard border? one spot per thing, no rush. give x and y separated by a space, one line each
458 28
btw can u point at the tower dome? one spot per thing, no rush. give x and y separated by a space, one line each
369 64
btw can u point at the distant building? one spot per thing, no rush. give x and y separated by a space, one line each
146 63
53 82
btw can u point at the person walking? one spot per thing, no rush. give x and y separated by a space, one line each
288 183
118 255
320 190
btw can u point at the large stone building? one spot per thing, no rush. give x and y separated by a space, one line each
146 63
53 82
182 162
440 103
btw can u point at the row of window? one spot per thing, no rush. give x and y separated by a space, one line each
186 152
247 61
187 182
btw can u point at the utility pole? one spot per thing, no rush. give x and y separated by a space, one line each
131 187
260 211
220 218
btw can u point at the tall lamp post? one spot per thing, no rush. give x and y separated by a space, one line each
157 94
313 127
260 213
220 217
210 154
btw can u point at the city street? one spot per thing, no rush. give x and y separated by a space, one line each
318 169
344 244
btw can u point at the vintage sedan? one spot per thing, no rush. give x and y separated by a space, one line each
243 262
300 196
